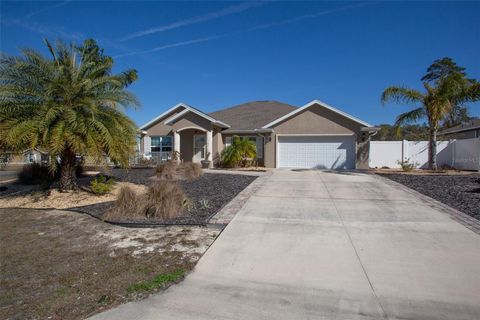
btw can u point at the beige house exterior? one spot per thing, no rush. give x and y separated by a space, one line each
313 136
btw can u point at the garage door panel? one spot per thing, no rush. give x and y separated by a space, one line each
320 152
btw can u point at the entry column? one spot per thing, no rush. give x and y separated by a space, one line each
209 146
176 145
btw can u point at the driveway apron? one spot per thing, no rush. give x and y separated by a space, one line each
328 245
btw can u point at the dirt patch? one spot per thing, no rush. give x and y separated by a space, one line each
52 198
64 265
459 191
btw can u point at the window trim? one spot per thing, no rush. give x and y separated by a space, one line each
161 146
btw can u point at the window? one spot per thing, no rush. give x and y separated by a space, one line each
161 143
29 157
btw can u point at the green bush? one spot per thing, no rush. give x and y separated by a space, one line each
102 185
241 152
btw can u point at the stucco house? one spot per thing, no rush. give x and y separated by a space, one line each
467 130
315 135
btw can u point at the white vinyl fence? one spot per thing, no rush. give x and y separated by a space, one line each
461 154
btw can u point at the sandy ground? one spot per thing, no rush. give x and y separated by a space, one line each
63 200
65 265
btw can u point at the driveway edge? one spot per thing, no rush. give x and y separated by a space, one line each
228 212
462 218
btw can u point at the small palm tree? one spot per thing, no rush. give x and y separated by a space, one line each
442 93
69 104
239 151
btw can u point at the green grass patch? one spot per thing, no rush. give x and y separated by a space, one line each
157 282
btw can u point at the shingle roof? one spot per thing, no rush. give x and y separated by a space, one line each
469 125
252 115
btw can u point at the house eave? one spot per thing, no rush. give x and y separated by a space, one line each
308 105
442 133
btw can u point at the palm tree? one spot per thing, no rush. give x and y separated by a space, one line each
69 104
443 92
240 150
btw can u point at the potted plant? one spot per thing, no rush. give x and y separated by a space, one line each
206 162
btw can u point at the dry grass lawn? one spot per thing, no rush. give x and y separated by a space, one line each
63 265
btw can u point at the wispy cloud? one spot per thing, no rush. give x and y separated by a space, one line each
308 16
34 13
194 20
259 27
47 31
172 45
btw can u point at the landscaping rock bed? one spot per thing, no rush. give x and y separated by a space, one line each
208 195
461 192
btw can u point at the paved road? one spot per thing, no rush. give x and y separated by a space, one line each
318 245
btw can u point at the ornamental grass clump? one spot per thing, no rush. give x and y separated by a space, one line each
164 200
166 170
192 171
170 170
127 204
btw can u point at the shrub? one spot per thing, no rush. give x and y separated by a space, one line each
164 200
407 165
36 173
166 170
128 204
239 152
192 171
102 184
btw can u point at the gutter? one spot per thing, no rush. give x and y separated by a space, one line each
442 133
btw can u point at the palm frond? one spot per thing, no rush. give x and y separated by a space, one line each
401 95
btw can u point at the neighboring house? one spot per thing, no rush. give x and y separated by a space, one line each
467 130
313 136
13 160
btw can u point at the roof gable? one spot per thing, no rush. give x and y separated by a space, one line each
184 108
310 104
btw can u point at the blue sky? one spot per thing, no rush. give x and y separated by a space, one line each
213 55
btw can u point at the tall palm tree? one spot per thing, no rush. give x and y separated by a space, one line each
434 104
68 104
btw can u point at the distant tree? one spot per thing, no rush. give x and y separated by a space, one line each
446 86
441 70
68 104
456 116
412 132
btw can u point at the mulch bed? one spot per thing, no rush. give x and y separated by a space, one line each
214 188
461 192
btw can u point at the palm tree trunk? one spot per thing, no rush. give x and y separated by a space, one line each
432 150
68 179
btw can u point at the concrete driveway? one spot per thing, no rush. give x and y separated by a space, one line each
319 245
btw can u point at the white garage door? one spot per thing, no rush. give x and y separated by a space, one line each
320 152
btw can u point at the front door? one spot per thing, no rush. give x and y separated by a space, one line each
199 146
